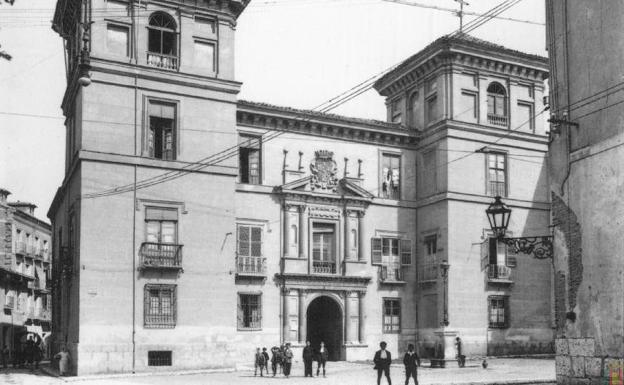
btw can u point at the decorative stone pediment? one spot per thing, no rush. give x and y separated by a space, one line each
304 189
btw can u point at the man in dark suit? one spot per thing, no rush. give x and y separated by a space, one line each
308 357
382 361
411 362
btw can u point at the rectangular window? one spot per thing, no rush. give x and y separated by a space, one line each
526 120
117 41
161 225
390 176
249 241
392 315
496 175
497 252
159 358
391 254
431 85
324 248
249 158
161 134
428 270
432 109
498 312
396 111
159 308
429 180
204 55
249 311
469 107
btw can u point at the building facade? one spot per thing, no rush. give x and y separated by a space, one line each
586 159
192 227
25 274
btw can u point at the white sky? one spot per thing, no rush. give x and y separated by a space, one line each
296 53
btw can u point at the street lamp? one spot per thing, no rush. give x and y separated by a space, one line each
499 214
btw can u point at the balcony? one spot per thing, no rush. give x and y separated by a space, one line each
391 275
499 273
497 189
497 120
38 285
167 62
428 272
20 248
161 256
250 266
324 267
9 302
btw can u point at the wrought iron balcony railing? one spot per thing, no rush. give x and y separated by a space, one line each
499 272
324 267
497 189
497 120
389 274
161 255
168 62
428 272
250 265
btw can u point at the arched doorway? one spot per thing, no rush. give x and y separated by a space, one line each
324 321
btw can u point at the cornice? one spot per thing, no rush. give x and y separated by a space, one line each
329 126
325 282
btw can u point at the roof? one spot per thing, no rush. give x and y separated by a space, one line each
320 115
463 40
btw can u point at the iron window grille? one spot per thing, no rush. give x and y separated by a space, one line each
159 358
160 306
250 311
392 315
498 310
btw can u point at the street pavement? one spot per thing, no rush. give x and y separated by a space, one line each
499 371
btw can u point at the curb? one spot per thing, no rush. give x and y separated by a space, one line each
53 373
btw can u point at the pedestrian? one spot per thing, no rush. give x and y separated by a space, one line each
288 356
30 352
276 359
308 357
63 358
6 352
321 359
382 361
461 359
259 362
411 362
37 353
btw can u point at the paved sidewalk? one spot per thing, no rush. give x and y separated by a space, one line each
499 371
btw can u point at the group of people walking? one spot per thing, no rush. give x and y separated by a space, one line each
383 359
282 356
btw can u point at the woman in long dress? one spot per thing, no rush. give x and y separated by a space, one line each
63 357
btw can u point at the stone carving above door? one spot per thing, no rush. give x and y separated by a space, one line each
324 172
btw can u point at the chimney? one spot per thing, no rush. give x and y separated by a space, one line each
25 207
4 195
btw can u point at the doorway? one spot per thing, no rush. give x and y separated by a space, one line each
324 323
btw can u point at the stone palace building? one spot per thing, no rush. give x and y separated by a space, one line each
192 227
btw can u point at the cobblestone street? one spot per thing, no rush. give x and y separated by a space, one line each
499 371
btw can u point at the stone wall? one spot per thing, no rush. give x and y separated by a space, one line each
577 363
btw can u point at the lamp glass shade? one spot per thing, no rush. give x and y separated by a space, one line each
498 215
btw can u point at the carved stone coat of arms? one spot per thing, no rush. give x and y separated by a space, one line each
324 170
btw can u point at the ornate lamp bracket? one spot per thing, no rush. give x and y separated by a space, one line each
540 247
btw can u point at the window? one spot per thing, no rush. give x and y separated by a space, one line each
525 117
415 111
431 85
498 311
161 225
429 269
117 39
390 176
159 358
162 41
396 111
497 104
160 306
392 315
429 180
249 158
495 259
249 311
469 108
161 135
432 109
496 175
204 55
324 248
249 241
391 251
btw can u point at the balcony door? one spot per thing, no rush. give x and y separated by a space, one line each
324 248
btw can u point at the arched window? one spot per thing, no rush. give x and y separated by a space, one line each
497 104
162 41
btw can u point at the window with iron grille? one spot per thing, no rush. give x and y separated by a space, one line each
498 312
496 174
159 358
249 311
392 315
160 306
249 158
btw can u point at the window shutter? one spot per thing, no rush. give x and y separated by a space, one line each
406 251
243 241
493 251
239 311
146 304
174 303
485 247
376 251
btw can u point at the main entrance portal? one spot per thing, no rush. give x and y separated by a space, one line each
324 321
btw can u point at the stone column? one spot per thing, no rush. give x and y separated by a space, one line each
302 317
362 320
286 230
351 334
303 232
361 236
286 327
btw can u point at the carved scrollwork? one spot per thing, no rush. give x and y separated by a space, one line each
540 247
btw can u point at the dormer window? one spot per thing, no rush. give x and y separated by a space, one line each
497 104
162 49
